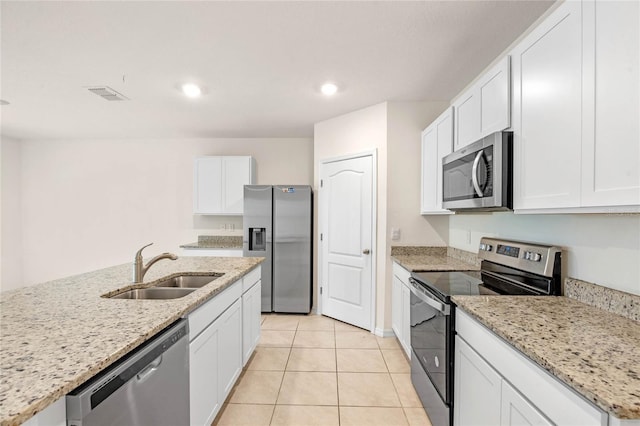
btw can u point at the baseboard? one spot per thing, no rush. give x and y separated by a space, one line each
384 333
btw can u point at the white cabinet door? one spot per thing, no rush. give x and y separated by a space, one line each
396 307
406 320
437 142
494 89
467 119
237 173
484 108
229 327
219 184
517 411
611 146
547 104
207 194
53 415
251 307
204 400
477 387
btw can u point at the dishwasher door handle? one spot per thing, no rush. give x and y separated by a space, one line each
149 369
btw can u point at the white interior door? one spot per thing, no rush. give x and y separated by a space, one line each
346 205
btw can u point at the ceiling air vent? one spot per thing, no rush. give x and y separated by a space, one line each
108 93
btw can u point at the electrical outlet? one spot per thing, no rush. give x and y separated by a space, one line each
395 234
468 237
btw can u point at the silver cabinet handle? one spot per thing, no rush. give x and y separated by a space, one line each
366 251
474 174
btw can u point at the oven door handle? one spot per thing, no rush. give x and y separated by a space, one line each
474 175
421 294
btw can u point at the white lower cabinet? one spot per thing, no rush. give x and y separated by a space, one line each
401 306
516 410
218 331
497 385
251 307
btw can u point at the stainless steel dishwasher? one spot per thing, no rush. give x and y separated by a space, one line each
150 386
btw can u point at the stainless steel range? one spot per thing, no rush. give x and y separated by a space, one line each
508 268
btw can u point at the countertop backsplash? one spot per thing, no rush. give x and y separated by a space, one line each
608 299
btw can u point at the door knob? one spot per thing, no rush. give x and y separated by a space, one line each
366 251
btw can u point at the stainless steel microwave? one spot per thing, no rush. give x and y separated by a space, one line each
480 175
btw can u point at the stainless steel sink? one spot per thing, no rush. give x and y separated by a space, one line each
154 293
188 281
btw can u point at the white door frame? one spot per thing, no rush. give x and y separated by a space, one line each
374 227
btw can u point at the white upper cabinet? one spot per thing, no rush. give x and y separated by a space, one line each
484 108
611 148
437 142
219 184
576 104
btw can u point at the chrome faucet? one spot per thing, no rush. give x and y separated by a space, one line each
139 269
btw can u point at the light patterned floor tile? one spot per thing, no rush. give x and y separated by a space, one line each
308 388
312 359
361 360
266 358
316 322
343 326
417 417
307 415
276 338
281 322
367 390
388 342
396 361
356 340
314 339
372 416
257 387
244 415
406 391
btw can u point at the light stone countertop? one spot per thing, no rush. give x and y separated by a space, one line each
222 242
595 352
57 335
423 259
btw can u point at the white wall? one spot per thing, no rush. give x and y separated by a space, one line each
89 204
393 130
11 222
602 249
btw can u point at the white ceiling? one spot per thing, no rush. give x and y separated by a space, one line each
261 63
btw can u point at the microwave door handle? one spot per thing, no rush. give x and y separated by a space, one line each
474 175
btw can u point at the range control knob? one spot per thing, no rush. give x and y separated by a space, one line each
489 247
527 255
536 257
483 246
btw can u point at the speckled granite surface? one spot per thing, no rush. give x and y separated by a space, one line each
57 335
595 352
420 259
618 302
215 242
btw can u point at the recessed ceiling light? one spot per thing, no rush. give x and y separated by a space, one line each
191 90
329 89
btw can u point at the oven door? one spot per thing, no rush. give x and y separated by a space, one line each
431 338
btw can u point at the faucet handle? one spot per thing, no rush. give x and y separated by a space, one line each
139 252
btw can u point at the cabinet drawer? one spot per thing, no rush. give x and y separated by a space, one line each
401 273
251 278
207 313
556 400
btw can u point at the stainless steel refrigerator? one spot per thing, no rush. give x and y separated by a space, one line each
278 222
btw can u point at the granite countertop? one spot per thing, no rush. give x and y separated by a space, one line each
228 242
421 259
59 334
595 352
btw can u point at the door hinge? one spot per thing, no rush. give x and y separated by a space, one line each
321 183
320 290
321 236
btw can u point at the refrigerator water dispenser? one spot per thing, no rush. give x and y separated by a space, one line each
258 239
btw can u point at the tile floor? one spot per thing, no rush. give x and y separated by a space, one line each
312 370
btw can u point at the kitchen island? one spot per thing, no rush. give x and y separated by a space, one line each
57 335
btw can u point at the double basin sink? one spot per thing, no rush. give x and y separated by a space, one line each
170 288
